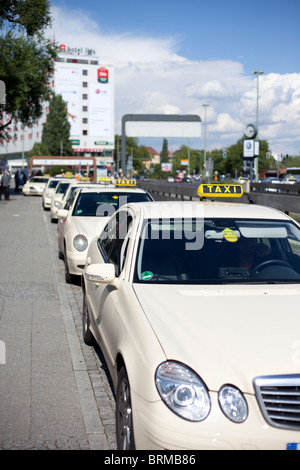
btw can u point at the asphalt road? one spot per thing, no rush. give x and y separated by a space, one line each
55 391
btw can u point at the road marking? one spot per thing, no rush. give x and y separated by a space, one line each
2 353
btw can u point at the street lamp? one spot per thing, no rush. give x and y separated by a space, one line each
205 106
257 73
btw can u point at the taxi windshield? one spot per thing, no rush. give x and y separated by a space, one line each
104 204
218 251
53 184
62 187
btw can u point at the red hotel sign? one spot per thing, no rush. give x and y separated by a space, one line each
102 75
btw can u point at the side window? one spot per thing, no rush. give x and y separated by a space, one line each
71 200
114 240
108 237
119 251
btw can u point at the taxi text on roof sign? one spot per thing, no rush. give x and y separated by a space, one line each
220 190
124 182
104 179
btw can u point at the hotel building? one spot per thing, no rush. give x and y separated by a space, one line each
87 86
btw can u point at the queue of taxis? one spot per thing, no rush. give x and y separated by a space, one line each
84 217
49 190
35 186
102 181
64 203
57 196
195 307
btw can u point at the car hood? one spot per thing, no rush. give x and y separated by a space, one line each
58 197
227 334
90 226
35 183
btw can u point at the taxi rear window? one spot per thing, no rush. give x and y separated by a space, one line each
218 251
106 203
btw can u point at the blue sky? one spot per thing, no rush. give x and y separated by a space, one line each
171 57
261 34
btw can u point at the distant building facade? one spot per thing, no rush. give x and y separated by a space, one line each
87 86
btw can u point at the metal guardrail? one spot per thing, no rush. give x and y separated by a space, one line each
285 197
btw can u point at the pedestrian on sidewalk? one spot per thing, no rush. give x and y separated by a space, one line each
17 181
5 185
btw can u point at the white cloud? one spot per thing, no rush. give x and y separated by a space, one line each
152 78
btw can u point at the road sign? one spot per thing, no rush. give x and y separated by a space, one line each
248 150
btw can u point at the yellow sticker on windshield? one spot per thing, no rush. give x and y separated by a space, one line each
230 235
115 197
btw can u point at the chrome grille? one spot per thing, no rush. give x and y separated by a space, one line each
279 400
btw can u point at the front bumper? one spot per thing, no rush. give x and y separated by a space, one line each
76 262
158 428
47 202
31 191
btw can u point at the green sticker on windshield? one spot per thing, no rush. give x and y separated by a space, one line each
146 276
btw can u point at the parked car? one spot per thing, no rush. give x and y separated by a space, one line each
196 333
49 189
35 186
87 213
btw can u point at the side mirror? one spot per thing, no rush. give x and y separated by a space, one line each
103 273
62 213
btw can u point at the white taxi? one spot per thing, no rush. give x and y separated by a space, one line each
87 213
195 306
82 183
35 186
64 203
49 189
57 196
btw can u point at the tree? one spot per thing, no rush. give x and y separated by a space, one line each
38 150
26 60
56 131
289 161
32 15
164 154
139 154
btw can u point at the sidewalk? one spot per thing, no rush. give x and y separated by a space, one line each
47 400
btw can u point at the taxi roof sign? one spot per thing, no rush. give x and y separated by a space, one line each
125 182
220 190
106 179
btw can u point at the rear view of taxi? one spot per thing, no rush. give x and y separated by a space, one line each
205 297
89 209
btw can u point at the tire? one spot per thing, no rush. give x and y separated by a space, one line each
60 253
124 422
87 335
68 276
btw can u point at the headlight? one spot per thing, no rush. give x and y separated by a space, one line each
233 404
47 196
182 391
56 203
80 242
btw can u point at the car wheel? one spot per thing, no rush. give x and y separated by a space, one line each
124 423
60 253
88 337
